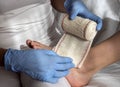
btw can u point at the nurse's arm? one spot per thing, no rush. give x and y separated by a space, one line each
58 5
2 53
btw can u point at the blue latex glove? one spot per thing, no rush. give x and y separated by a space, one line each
77 8
44 65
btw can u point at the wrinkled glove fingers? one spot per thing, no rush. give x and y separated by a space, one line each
59 74
73 13
62 67
50 80
93 17
62 60
96 19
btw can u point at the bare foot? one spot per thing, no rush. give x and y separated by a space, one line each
76 77
37 45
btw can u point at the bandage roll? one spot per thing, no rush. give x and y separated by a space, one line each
80 27
77 39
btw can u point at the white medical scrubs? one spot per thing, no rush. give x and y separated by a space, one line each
34 19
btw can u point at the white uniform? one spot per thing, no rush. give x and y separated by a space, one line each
34 19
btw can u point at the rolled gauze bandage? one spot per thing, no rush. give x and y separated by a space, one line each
80 27
77 39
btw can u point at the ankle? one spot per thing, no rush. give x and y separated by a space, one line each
89 66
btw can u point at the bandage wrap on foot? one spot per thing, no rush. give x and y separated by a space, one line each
77 39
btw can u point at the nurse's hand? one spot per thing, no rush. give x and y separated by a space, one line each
77 8
44 65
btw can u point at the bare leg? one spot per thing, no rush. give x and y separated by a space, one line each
27 81
104 54
100 56
9 79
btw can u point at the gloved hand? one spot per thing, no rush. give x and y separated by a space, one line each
77 8
44 65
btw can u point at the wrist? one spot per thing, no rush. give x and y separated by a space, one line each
2 53
10 60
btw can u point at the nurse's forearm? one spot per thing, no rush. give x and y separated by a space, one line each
58 5
2 53
103 54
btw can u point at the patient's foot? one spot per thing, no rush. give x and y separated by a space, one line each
76 77
37 45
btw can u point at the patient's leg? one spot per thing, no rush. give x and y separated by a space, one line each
9 79
99 56
27 81
76 77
